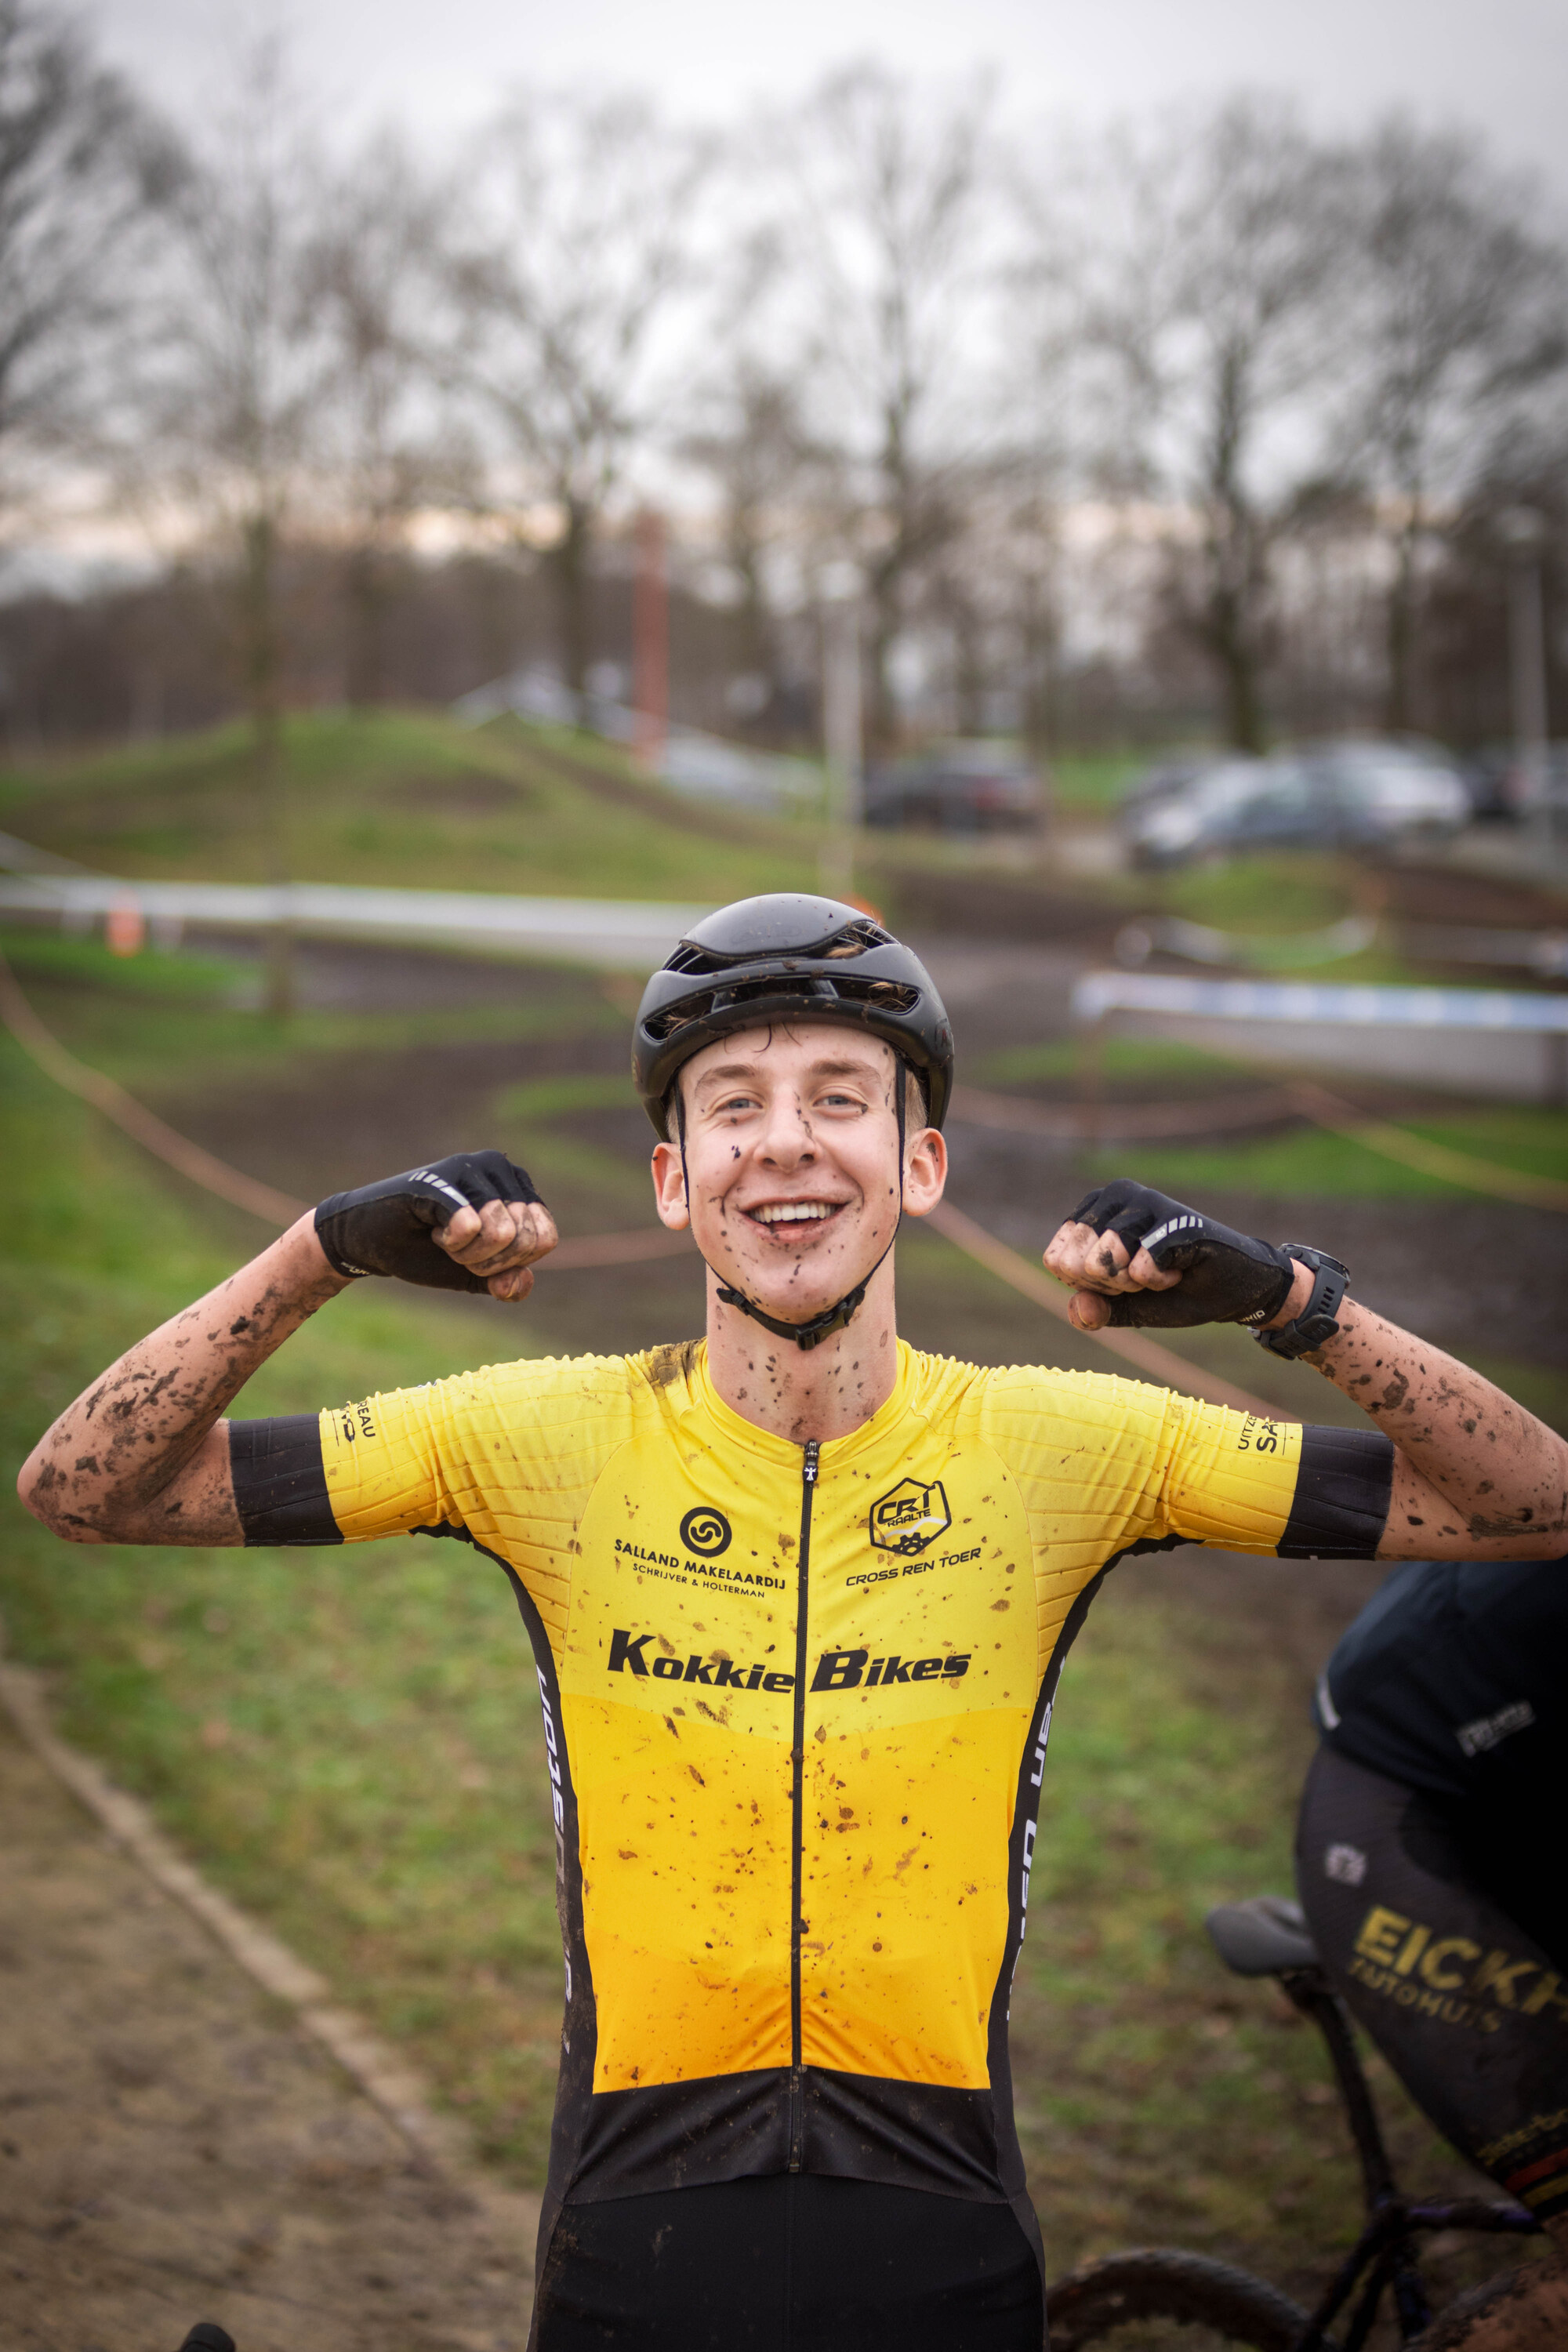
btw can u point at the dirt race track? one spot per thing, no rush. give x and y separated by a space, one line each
172 2147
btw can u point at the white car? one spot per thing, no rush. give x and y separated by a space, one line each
1343 794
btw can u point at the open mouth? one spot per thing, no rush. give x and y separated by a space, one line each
791 1215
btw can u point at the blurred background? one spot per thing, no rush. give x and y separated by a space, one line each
474 497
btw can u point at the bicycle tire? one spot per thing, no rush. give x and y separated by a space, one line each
1161 2282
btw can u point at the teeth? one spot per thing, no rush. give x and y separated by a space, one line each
786 1213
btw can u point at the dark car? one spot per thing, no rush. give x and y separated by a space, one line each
1502 789
1350 792
972 786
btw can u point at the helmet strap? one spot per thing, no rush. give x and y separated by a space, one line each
812 1333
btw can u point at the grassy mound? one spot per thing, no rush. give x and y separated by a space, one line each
406 798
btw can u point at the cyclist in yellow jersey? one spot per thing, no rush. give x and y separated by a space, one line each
799 1597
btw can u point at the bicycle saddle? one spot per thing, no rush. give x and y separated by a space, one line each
1265 1937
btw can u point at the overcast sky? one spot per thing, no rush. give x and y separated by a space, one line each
1501 64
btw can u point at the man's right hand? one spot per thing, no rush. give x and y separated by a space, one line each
473 1222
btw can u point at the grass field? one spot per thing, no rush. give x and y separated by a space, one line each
410 798
349 1743
1311 1162
405 798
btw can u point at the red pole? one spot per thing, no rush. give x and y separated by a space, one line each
651 641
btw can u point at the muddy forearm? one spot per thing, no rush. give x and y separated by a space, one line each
1503 1471
111 1462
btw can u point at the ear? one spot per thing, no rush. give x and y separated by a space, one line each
925 1172
669 1188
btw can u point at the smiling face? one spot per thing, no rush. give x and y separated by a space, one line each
792 1148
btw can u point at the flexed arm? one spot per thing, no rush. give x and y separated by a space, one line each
1475 1475
142 1456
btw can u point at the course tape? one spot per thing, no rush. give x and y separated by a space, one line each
1100 992
1335 1003
1438 1159
273 1208
1147 1356
176 1150
593 1249
624 934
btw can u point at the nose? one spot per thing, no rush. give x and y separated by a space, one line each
786 1141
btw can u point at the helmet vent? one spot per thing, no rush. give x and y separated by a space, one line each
891 995
854 939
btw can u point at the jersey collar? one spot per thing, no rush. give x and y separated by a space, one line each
733 1429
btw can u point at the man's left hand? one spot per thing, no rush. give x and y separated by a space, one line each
1135 1256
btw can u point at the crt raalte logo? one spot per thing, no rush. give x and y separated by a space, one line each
908 1517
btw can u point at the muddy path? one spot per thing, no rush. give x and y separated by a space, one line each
174 2147
1466 1273
171 2147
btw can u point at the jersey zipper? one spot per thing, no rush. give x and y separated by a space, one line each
797 1804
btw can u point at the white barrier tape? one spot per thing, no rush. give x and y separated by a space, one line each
635 932
1340 1006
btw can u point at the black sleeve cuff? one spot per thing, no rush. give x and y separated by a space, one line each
1343 1490
279 1484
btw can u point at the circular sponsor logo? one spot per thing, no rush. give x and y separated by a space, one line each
705 1531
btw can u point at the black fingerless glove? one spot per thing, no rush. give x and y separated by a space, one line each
1227 1277
385 1228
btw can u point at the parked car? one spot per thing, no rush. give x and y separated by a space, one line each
1346 793
971 785
1384 789
1164 779
1501 789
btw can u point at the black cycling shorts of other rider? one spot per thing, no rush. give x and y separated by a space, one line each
786 2262
1454 1679
1469 2010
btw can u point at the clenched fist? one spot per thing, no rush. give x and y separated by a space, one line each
473 1222
1135 1256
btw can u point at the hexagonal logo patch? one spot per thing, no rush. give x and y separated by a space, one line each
908 1517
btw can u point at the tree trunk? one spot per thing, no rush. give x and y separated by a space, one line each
1038 638
1399 714
574 589
365 586
881 727
1230 630
1237 661
969 670
1234 557
262 660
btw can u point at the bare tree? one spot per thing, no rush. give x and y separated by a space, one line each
887 224
83 169
586 229
1213 272
373 278
1461 312
751 439
234 408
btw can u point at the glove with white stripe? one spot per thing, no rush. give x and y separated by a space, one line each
1227 1276
386 1228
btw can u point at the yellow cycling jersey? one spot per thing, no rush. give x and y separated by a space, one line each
796 1702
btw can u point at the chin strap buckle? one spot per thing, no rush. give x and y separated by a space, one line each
805 1336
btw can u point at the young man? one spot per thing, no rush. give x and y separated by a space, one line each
798 1598
1431 1875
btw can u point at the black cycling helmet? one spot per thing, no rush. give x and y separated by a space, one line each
789 956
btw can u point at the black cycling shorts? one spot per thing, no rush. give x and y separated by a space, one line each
789 2262
1469 2011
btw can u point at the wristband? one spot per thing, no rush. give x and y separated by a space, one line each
1315 1323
